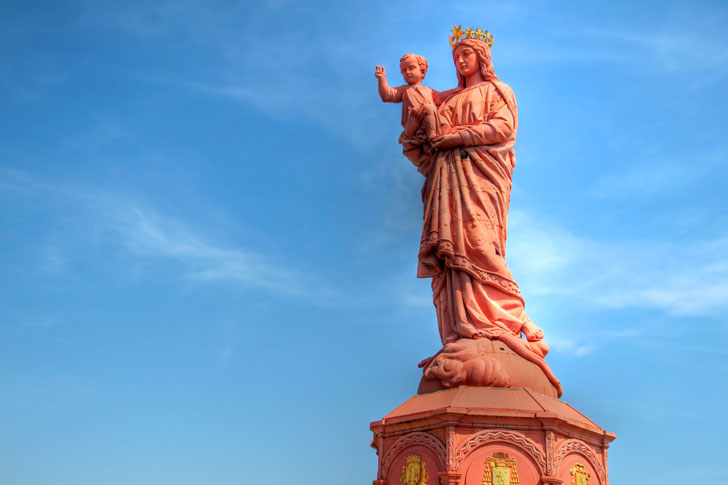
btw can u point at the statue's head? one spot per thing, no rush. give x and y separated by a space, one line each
413 68
481 51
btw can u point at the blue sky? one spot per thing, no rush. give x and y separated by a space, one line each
209 234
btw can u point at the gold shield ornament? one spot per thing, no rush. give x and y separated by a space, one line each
500 470
413 471
579 476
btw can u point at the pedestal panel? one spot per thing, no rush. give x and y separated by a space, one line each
489 436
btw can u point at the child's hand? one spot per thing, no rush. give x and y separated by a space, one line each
380 73
451 140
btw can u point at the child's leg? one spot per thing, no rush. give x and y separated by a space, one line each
414 121
432 123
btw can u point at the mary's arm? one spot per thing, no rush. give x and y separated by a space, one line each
498 128
440 97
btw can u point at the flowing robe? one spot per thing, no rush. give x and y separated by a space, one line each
466 196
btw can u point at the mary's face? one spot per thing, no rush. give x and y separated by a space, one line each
466 61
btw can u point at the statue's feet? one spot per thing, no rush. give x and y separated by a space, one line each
532 332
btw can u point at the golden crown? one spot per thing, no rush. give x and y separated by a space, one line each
459 34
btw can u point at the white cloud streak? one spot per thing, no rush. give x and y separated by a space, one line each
150 235
687 39
679 278
674 40
677 45
586 343
660 174
147 233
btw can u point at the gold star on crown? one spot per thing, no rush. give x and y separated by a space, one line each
458 35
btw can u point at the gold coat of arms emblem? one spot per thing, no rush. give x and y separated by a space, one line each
579 476
413 471
500 470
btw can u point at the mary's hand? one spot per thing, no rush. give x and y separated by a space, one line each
450 140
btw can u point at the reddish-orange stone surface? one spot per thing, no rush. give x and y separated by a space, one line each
462 141
486 412
456 430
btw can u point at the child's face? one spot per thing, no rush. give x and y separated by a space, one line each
411 71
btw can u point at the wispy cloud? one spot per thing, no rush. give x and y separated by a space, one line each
288 96
677 45
677 39
40 323
679 278
664 173
53 260
311 74
16 182
161 18
148 233
684 39
586 342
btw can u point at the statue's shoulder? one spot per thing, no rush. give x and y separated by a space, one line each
505 90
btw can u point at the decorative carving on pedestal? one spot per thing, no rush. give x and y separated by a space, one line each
479 439
579 476
450 450
570 446
500 471
414 471
417 438
455 430
550 455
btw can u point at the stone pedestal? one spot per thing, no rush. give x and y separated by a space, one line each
491 436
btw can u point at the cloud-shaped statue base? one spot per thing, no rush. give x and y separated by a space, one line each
483 363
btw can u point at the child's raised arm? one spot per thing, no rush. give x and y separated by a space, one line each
387 93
